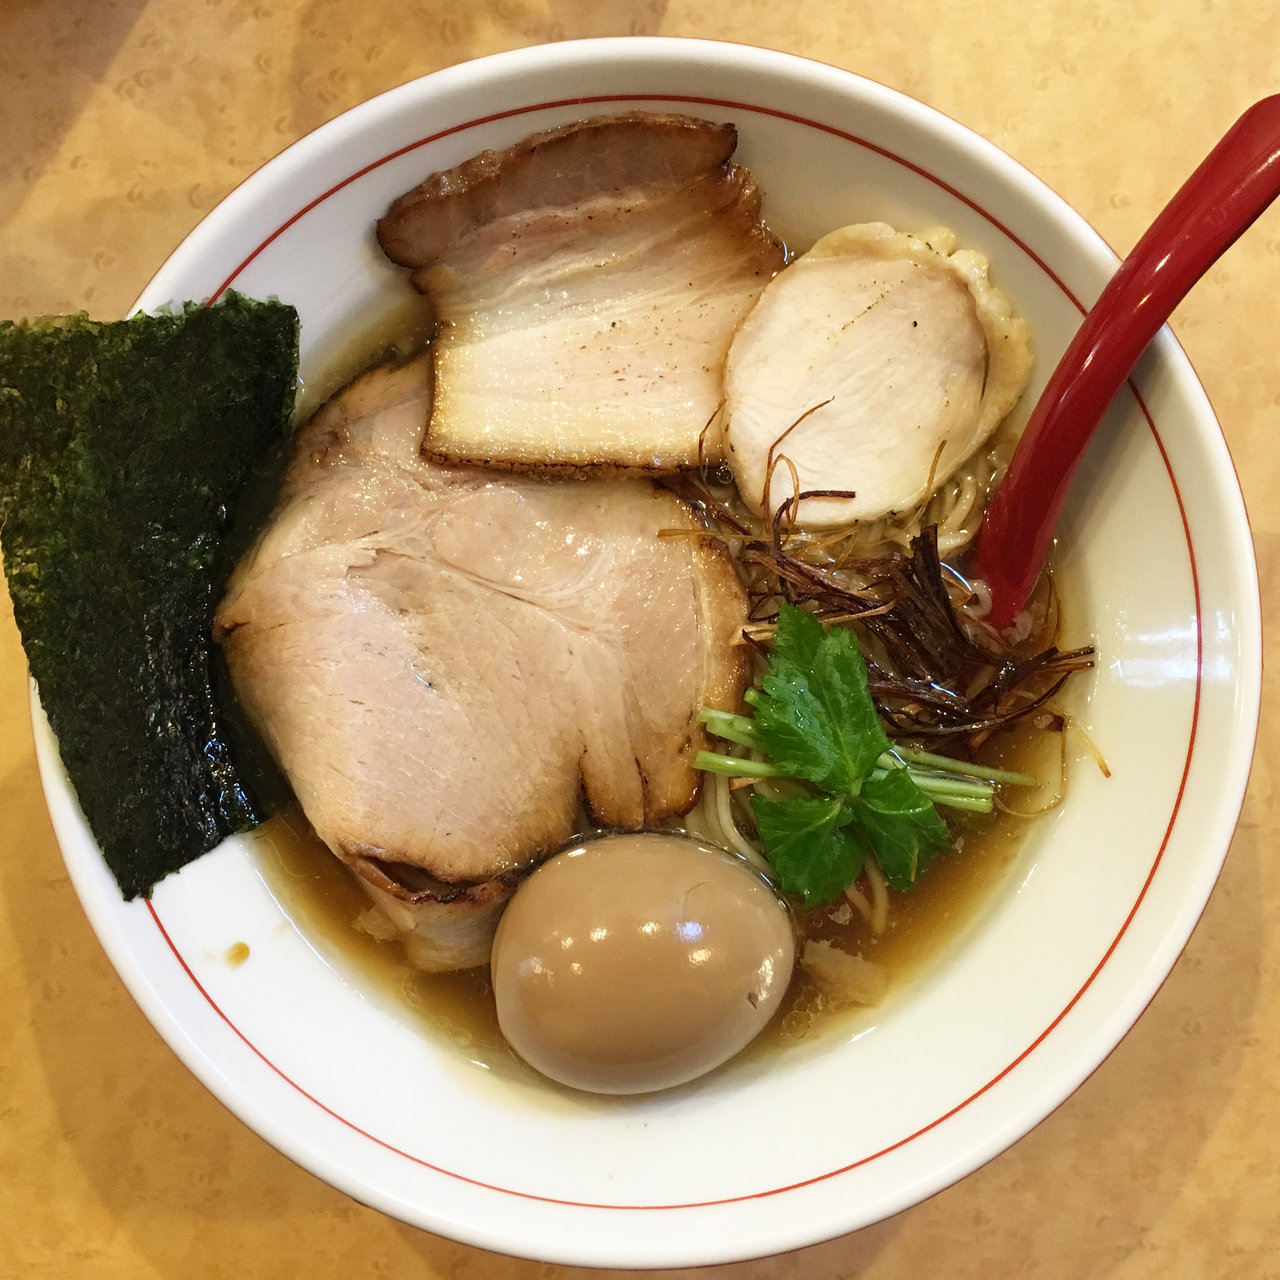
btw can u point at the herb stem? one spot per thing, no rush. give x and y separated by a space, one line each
934 784
971 803
731 727
736 766
949 765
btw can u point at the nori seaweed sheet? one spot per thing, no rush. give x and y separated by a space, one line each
123 447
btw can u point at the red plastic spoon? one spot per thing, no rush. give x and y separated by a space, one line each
1236 181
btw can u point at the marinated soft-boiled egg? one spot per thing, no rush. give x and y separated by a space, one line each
636 962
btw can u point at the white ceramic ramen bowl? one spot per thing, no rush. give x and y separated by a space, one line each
1059 962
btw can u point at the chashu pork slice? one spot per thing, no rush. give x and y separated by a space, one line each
446 663
867 373
586 284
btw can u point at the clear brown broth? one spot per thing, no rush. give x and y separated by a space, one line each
326 905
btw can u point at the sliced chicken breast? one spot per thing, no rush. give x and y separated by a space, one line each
866 374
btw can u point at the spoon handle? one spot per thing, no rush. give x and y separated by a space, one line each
1233 185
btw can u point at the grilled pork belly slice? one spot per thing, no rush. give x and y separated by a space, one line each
552 169
447 663
875 364
586 283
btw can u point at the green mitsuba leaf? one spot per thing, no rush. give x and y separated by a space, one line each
816 718
816 721
809 844
797 640
898 822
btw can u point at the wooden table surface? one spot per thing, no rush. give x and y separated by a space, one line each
122 122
